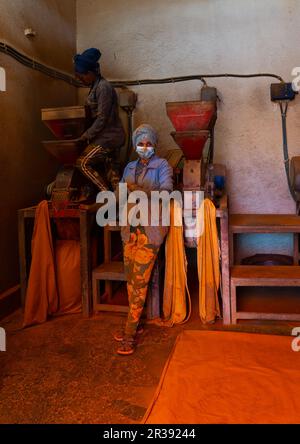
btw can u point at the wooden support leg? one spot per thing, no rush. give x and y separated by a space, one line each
233 302
85 263
95 293
231 249
225 268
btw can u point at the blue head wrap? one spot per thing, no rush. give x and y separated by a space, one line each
87 61
142 132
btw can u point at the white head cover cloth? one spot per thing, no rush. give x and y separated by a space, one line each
142 132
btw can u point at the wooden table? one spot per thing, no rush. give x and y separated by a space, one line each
281 276
264 223
86 216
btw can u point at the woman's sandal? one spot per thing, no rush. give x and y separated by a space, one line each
127 346
120 334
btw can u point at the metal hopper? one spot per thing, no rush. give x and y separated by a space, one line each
192 143
65 123
193 122
191 116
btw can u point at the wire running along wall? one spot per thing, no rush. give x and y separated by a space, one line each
59 75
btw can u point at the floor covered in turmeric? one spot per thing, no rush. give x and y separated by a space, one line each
67 371
228 378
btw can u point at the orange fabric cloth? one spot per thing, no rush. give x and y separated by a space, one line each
175 288
67 258
41 295
208 264
54 279
224 377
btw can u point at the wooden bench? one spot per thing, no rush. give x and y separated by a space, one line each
263 276
264 223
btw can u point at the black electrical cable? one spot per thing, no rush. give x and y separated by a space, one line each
51 72
202 77
31 63
283 110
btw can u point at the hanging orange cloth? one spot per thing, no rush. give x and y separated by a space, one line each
67 260
42 295
175 287
54 281
208 263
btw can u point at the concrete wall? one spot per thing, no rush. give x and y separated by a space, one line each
154 39
25 166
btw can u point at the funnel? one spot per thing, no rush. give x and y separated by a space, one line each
192 143
65 151
65 123
191 116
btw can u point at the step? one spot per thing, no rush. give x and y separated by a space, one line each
110 271
265 275
264 223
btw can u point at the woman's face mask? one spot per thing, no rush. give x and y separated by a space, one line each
145 150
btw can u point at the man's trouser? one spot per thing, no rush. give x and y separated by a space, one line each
94 155
139 259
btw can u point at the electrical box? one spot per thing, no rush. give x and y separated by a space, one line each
127 98
209 94
282 91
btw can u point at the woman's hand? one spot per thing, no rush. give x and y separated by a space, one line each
133 187
82 141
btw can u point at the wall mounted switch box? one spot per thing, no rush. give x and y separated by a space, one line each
282 91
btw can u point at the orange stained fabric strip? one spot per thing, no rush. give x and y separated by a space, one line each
175 287
208 264
41 295
54 285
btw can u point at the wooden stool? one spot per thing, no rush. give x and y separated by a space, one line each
109 271
263 276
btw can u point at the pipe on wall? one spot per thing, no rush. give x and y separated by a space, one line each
54 73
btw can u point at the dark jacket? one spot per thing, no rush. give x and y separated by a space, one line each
102 103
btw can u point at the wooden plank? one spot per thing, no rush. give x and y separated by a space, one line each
268 316
113 228
264 223
28 212
277 272
111 307
267 282
112 271
62 213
